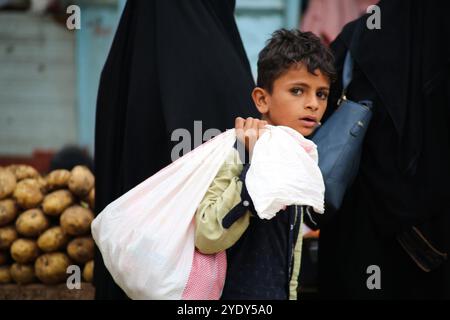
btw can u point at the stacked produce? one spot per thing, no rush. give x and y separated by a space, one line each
45 224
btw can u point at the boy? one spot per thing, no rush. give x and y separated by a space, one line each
263 256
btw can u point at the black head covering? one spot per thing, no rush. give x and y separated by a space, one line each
403 67
403 61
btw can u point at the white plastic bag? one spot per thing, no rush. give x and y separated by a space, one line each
146 237
284 171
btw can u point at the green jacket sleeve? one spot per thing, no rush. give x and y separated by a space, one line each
223 194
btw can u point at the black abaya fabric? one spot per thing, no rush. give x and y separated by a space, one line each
404 175
171 63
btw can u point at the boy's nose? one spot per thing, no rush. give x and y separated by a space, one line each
312 104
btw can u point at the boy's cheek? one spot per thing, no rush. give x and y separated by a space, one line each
323 112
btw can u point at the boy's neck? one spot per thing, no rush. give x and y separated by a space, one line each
266 118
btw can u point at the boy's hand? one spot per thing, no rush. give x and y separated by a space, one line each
248 131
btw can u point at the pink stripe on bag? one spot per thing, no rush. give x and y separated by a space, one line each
207 276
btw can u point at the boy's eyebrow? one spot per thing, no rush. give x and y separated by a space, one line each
308 86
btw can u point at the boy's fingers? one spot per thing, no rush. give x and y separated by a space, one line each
261 131
252 128
248 123
256 124
239 128
239 123
249 129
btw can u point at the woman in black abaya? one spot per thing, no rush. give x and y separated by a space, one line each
172 62
402 185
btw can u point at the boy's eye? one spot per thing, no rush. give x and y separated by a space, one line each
296 91
322 95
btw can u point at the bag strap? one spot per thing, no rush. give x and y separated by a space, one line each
347 75
347 72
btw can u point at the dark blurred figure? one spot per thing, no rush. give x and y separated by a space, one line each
393 227
71 156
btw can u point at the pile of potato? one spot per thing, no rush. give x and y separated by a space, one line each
45 224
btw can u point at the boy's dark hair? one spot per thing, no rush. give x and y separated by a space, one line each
287 47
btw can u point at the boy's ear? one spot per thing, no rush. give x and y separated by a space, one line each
261 98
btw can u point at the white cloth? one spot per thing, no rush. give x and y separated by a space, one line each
146 237
284 171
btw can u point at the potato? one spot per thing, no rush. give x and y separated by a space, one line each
22 171
88 271
51 268
32 223
42 183
23 273
8 211
81 249
28 193
5 275
58 179
81 181
8 235
57 201
7 183
53 239
24 250
76 220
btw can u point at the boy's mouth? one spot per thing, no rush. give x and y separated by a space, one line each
309 121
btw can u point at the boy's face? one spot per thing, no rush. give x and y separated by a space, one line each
298 99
